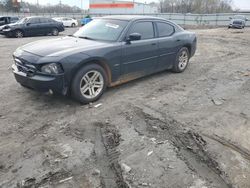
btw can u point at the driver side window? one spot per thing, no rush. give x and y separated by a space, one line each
145 29
34 20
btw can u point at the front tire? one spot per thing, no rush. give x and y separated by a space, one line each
89 83
73 25
182 60
55 32
18 34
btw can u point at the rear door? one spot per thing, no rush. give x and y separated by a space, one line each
44 26
166 44
140 57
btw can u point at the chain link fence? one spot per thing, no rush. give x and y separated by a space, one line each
209 20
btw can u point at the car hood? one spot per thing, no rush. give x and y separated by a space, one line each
61 46
13 25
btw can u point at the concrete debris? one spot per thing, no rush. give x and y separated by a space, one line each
153 140
246 73
126 168
149 153
217 102
98 105
66 179
96 172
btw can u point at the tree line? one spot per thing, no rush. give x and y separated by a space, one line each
165 6
10 6
195 6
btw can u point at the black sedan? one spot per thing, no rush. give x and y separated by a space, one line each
32 26
106 52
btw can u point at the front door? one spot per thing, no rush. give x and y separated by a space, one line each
33 27
139 57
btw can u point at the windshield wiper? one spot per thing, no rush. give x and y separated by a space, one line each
72 36
86 38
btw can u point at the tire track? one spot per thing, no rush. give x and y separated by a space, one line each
106 141
191 147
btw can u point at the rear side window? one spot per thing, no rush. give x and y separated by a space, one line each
164 29
144 28
50 20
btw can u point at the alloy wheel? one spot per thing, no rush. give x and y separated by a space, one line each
19 34
183 60
91 84
55 32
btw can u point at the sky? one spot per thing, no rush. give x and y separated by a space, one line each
239 4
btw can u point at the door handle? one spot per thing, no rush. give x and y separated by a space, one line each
153 44
178 40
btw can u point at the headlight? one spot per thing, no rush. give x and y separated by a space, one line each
7 29
52 68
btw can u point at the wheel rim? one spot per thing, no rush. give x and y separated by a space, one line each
55 32
183 60
19 34
91 84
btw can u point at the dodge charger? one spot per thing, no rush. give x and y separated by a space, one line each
105 52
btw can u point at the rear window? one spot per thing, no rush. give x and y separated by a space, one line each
164 29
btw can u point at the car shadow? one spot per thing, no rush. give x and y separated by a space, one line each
57 101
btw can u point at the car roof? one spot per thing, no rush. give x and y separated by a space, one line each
37 17
132 17
8 17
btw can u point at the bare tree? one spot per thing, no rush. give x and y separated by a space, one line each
195 6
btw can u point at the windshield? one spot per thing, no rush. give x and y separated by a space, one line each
23 20
102 29
239 17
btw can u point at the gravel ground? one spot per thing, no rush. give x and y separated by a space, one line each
163 131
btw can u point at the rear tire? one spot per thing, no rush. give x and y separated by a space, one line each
182 60
55 32
18 34
89 83
73 25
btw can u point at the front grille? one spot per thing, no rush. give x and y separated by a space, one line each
237 22
25 67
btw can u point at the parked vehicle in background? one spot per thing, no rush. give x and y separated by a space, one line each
67 22
32 26
106 52
237 21
86 20
8 20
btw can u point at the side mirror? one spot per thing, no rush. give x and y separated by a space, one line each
27 24
247 19
134 36
230 18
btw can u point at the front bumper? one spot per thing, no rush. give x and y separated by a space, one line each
237 26
6 33
41 83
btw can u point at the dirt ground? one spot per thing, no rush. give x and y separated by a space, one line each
189 130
